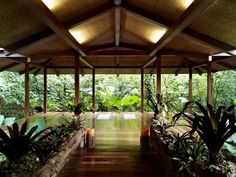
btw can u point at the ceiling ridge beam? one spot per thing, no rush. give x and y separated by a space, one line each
189 33
49 34
193 11
117 25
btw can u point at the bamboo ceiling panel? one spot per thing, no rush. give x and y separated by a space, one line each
145 29
218 21
55 44
170 9
16 22
94 28
105 38
65 10
182 43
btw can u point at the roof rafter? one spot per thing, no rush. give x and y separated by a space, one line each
189 33
183 53
194 10
41 10
44 64
9 66
48 33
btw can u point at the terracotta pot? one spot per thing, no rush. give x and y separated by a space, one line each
145 132
90 132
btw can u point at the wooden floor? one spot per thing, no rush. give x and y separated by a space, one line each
117 154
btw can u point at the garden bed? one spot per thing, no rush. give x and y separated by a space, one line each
56 163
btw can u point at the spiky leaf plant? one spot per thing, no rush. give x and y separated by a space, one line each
213 127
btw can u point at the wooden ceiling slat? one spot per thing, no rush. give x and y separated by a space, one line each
48 33
111 45
157 19
194 10
9 66
41 10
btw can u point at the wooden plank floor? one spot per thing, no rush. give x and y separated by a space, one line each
117 154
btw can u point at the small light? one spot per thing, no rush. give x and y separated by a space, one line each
186 3
51 4
210 58
78 35
156 35
28 59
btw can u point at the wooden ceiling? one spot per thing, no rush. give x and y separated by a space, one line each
118 37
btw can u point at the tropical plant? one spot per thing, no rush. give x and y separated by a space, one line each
19 143
213 127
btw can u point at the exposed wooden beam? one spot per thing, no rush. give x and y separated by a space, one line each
118 52
53 54
40 66
149 62
111 45
215 60
117 26
22 60
190 64
30 69
183 53
113 67
49 34
37 71
177 72
226 65
41 10
160 20
9 66
193 11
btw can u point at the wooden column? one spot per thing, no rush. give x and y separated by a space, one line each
142 93
45 90
190 91
27 105
209 83
77 94
158 71
93 91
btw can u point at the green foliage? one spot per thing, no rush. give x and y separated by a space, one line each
113 93
19 142
213 127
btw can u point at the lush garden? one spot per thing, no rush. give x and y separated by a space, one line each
202 145
113 93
